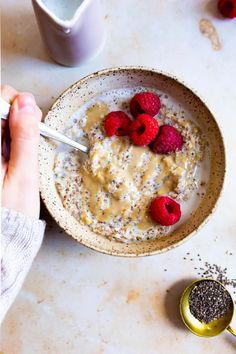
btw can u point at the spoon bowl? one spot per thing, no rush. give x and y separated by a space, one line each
202 329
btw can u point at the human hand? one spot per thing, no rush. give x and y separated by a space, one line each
20 175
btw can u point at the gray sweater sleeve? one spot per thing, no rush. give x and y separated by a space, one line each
21 238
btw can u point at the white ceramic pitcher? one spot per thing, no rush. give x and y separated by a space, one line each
72 30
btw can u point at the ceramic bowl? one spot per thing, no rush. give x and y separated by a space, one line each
95 85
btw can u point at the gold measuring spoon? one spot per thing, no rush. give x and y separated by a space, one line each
201 329
44 129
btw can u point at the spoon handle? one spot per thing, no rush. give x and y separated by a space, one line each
231 330
44 129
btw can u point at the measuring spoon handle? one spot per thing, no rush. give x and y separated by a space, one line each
231 330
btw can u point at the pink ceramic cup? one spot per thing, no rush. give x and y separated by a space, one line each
72 31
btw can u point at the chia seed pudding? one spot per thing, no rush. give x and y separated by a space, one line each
110 190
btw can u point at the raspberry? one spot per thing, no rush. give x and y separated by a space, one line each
117 123
143 130
168 140
227 8
145 102
165 211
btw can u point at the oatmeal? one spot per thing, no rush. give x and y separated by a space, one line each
111 189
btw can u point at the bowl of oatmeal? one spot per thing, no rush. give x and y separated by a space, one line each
103 199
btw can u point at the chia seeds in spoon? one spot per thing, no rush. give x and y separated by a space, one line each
209 301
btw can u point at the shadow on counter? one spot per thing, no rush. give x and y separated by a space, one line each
172 301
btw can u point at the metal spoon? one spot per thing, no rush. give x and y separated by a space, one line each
201 329
44 129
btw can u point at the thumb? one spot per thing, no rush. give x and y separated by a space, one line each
24 132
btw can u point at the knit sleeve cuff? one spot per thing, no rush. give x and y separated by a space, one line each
20 230
21 239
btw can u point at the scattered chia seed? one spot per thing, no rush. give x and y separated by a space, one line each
218 273
209 301
214 271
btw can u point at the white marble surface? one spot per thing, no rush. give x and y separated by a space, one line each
75 300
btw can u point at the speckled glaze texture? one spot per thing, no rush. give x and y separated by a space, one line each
114 78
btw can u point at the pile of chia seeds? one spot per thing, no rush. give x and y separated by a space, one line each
209 301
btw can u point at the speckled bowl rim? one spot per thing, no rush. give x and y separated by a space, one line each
97 74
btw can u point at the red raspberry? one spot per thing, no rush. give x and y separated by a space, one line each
168 140
143 130
145 102
165 211
227 8
117 123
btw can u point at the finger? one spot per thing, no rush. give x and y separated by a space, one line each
8 93
24 131
38 110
